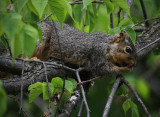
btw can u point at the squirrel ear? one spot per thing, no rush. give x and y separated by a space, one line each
119 37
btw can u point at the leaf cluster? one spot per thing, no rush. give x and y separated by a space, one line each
55 86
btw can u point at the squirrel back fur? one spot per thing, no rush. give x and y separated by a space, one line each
101 53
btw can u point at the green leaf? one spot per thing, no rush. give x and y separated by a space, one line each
3 102
68 8
123 4
19 4
90 19
29 36
115 30
74 82
38 28
16 43
39 5
45 90
109 6
101 24
1 28
134 109
129 104
126 22
69 86
77 11
57 83
4 4
126 106
130 32
32 8
35 91
33 86
10 23
86 3
58 9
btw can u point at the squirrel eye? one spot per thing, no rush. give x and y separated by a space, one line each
128 49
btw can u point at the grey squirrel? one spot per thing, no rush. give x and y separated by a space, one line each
101 53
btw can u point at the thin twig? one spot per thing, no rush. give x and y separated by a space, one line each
83 93
154 18
84 10
111 20
119 15
49 63
144 12
45 70
148 45
10 52
81 109
45 18
139 29
81 2
21 105
87 81
110 98
136 95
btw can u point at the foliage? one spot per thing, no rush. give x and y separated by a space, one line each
18 21
55 86
3 101
128 104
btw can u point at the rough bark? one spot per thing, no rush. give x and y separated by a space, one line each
148 39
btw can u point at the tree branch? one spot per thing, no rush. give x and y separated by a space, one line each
83 94
81 2
110 98
148 40
35 74
70 104
137 97
130 2
144 12
10 66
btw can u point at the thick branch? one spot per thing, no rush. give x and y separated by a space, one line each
36 74
148 40
9 66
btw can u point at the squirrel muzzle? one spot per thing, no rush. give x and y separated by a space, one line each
122 54
121 62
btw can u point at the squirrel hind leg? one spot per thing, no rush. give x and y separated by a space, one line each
42 51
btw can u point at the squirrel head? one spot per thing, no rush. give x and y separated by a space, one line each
122 53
